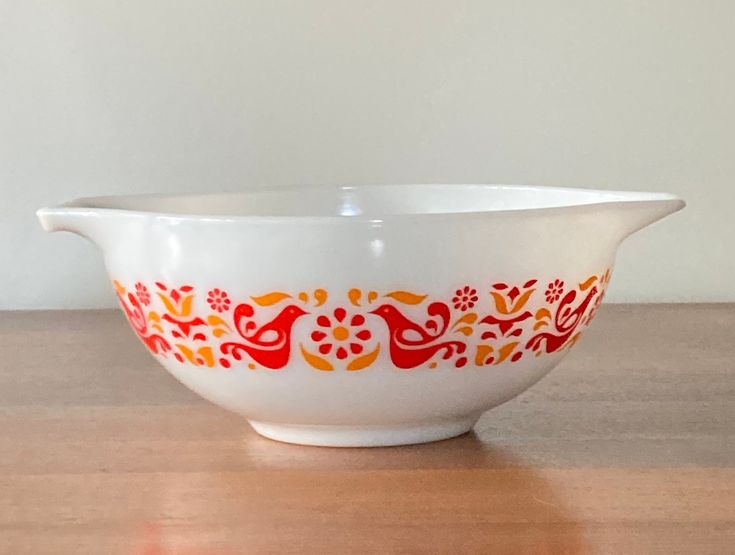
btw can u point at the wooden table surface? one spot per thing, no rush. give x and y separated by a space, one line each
627 447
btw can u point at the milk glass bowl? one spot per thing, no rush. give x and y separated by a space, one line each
361 316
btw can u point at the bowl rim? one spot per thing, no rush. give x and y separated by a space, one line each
607 198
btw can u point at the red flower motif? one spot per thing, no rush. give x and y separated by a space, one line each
465 298
218 300
335 331
143 295
554 291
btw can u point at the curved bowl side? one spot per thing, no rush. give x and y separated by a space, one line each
382 327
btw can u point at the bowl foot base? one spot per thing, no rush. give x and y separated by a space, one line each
365 436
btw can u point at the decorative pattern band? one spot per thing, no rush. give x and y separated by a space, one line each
351 330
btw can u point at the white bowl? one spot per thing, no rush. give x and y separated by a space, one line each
356 316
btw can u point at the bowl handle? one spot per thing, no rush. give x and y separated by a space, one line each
87 222
628 217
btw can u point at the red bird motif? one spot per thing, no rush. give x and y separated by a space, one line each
412 344
156 343
270 344
566 322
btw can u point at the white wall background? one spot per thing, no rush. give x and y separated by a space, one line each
102 96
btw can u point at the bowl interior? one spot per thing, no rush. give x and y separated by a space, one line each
364 201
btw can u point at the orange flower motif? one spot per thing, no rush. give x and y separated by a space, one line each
334 332
554 291
218 300
465 298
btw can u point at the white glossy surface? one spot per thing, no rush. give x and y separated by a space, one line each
373 201
421 238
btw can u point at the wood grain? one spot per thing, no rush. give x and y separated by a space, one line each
627 447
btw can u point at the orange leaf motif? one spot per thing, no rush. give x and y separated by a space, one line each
320 296
188 353
354 296
206 354
500 303
468 318
543 313
406 297
587 284
505 351
119 289
316 361
522 300
270 298
365 360
215 320
170 307
186 305
483 351
207 358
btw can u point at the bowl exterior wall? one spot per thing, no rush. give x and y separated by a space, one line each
362 323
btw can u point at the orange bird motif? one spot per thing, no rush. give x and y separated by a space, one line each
412 344
269 344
